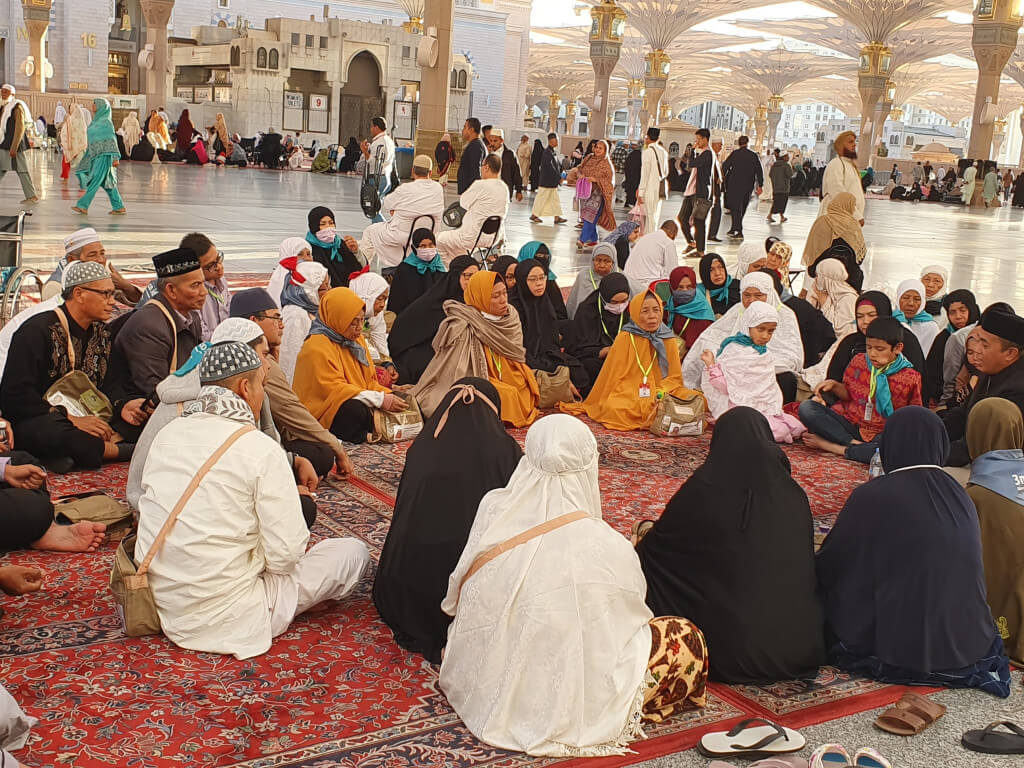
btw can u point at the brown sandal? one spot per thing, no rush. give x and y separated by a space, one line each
910 715
640 529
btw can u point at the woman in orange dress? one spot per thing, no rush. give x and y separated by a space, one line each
642 366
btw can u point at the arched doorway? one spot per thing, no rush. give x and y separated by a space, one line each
361 98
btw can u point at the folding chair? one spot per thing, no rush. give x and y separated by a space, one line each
490 228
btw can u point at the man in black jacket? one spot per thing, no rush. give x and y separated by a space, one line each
743 173
509 164
634 166
547 202
473 153
698 187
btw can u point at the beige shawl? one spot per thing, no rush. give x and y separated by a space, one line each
131 131
74 134
459 350
838 222
222 131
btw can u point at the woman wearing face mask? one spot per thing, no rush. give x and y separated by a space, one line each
373 290
340 255
642 363
597 323
687 312
602 263
420 271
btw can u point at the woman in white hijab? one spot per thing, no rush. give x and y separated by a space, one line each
373 290
910 311
835 297
291 252
131 131
300 301
751 258
935 280
785 347
550 647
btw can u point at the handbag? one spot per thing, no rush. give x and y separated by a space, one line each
554 387
638 215
678 417
453 214
129 582
396 426
74 391
701 208
662 180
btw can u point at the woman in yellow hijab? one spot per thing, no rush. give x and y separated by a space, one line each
642 364
484 338
334 375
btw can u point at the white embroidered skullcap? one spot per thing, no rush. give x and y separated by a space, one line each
236 329
226 359
8 87
82 272
81 238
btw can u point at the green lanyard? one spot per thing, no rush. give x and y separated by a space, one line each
600 315
494 359
685 326
591 271
639 365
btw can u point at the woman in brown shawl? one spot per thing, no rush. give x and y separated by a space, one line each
995 436
837 224
183 133
595 210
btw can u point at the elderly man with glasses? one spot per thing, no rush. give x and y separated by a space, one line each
70 422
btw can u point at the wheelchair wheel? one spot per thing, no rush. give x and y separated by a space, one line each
22 288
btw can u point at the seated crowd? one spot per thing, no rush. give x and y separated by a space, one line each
555 636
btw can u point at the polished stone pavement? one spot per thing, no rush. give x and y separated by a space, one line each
247 212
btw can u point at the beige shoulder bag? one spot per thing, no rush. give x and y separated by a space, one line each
75 391
130 584
174 334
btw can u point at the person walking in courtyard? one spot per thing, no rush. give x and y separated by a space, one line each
546 203
841 175
781 174
653 172
14 141
524 153
97 167
743 175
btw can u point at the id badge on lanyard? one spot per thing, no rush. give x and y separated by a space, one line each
645 389
869 410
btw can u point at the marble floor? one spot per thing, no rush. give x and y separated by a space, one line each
247 212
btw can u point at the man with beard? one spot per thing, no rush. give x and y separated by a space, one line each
841 175
14 141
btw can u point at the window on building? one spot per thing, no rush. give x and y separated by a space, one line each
236 56
295 39
462 79
223 4
261 58
406 52
894 139
309 41
454 80
275 58
323 42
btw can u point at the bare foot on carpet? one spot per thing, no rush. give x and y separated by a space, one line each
812 440
80 537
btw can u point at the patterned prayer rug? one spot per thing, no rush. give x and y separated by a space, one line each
335 690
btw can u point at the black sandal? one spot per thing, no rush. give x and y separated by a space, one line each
992 742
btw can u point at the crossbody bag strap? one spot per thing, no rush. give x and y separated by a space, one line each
189 490
509 544
174 334
67 332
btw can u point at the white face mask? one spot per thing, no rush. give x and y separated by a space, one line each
327 235
426 253
617 309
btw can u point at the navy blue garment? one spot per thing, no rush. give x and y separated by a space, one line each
901 573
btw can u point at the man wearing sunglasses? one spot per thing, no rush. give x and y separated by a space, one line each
74 428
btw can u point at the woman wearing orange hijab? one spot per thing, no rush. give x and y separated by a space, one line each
483 338
334 375
642 363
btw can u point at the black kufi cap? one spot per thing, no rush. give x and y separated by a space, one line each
179 261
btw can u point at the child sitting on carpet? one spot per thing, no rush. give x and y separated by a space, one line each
744 373
875 385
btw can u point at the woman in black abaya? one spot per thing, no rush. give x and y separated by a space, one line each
734 553
434 511
901 573
961 310
328 247
597 322
412 335
421 270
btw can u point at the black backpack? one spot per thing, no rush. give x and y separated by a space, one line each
369 195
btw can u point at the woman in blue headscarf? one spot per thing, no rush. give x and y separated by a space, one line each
687 311
624 235
535 249
419 272
97 167
901 574
721 288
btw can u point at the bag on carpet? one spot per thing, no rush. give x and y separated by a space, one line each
554 387
396 426
74 391
93 507
130 581
678 417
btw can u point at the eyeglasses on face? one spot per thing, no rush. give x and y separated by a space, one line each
215 263
264 316
107 294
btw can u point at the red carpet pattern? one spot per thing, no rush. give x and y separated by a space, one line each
335 690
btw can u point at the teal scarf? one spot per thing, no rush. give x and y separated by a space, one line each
529 251
744 341
424 266
333 248
879 386
722 292
697 308
102 152
920 317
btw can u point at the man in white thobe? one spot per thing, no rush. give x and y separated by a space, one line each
652 258
653 170
379 154
408 206
842 175
487 196
524 154
233 571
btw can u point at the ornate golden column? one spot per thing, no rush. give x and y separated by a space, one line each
875 63
761 125
607 25
553 104
655 81
634 102
774 115
37 18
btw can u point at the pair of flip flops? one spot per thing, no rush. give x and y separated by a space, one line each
750 739
836 756
786 761
993 742
910 715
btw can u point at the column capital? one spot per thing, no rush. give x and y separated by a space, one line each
36 10
157 12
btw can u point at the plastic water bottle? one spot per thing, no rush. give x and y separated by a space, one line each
876 466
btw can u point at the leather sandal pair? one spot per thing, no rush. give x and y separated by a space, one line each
910 715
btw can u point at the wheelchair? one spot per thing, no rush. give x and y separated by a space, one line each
20 286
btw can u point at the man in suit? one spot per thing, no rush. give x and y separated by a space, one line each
473 154
510 172
701 169
632 173
743 175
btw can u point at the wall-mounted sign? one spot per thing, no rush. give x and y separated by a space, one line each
292 100
318 102
204 93
185 94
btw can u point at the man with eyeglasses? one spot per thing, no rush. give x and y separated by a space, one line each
72 428
216 309
301 433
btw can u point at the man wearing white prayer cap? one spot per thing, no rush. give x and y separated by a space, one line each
233 572
14 115
510 172
85 245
